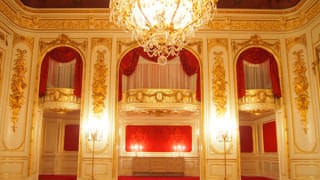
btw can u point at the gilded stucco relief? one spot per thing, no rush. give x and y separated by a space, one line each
303 124
99 86
18 93
62 40
101 48
18 85
301 87
257 41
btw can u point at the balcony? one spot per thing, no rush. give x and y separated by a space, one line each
60 100
258 101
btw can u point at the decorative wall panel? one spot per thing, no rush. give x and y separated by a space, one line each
303 123
16 126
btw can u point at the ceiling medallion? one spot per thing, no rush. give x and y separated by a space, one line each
162 27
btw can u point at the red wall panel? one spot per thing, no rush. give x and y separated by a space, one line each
270 137
246 139
71 137
158 138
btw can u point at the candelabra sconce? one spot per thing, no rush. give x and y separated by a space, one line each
94 136
225 136
136 148
179 149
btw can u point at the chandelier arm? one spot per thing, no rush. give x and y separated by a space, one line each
175 12
148 23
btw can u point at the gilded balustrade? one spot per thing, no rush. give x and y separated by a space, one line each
60 100
159 99
258 101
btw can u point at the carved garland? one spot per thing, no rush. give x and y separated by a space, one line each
99 86
18 84
301 87
219 84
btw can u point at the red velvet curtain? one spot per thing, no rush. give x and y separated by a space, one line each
257 56
63 55
129 63
158 138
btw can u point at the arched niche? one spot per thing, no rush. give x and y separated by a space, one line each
259 93
159 115
60 101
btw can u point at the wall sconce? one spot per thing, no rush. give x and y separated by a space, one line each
224 134
136 148
179 149
94 135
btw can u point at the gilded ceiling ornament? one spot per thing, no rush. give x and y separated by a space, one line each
219 84
288 20
256 40
301 87
18 84
99 87
62 40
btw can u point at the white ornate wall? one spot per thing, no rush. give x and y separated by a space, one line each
291 36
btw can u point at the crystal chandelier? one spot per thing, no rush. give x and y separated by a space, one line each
162 27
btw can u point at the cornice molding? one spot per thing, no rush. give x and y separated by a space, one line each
97 19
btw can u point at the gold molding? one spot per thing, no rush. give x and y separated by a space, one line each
219 42
284 20
255 40
18 84
301 87
124 45
99 86
62 39
22 39
219 84
101 41
290 42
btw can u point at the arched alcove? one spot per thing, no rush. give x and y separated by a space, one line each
158 115
60 101
259 91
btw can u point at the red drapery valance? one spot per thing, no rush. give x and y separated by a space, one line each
257 56
63 55
129 63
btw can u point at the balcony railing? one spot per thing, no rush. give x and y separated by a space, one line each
159 99
258 101
60 100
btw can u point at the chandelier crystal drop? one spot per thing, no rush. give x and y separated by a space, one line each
162 27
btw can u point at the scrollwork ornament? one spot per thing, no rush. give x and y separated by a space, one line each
256 40
62 40
18 84
99 87
219 84
301 88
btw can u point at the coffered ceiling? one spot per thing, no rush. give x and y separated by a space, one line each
228 4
